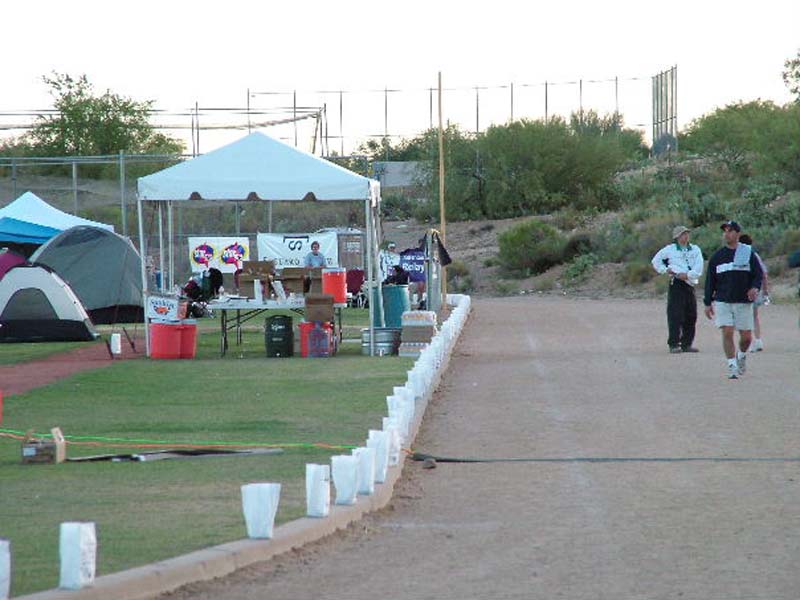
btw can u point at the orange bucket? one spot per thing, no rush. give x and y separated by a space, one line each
165 340
334 282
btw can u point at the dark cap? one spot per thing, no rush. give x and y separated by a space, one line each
730 225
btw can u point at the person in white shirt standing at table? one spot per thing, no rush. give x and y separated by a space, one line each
684 264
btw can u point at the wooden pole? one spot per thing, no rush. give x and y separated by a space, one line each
442 224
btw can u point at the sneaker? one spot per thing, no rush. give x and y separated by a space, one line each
733 372
741 364
757 346
690 349
675 350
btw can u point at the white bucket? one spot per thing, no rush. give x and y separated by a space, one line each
379 441
366 470
116 343
77 548
344 469
260 504
318 490
5 569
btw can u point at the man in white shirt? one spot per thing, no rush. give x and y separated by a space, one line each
389 259
684 264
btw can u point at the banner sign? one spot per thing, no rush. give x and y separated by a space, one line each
290 249
413 262
223 253
162 307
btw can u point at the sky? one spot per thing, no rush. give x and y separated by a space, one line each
178 53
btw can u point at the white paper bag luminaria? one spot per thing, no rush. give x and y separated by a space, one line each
260 504
379 441
318 490
344 469
366 470
77 548
5 569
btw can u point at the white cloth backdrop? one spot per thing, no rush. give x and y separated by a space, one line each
290 249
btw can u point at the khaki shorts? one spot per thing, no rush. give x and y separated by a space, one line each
735 314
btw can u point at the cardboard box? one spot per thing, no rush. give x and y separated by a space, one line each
319 307
257 269
295 280
53 451
418 333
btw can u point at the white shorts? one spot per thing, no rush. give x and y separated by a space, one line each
735 314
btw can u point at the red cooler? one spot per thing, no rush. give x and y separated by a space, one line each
188 338
334 282
165 340
315 339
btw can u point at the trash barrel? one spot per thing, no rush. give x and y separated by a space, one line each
387 341
165 340
396 301
316 339
279 336
188 338
377 315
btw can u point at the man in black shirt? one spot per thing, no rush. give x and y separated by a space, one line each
732 284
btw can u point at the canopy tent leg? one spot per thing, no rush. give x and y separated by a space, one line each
171 253
143 254
161 246
368 222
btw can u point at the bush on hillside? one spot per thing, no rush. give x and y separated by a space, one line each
637 272
578 244
530 247
750 138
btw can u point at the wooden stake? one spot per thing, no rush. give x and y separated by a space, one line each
442 224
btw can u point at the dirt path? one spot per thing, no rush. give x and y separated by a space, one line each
561 379
20 378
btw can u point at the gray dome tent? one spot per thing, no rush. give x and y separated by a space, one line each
102 268
37 306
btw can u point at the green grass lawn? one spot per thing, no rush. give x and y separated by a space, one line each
147 511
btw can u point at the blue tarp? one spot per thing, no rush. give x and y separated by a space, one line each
23 232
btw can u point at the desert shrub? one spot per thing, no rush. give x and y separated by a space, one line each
506 288
615 241
708 238
577 245
580 268
703 209
459 277
530 247
397 207
568 218
632 190
637 272
788 242
545 283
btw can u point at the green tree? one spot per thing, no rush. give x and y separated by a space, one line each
88 124
791 76
750 138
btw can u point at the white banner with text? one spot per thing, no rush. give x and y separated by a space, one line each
290 249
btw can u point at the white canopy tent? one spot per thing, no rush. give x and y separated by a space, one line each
258 168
